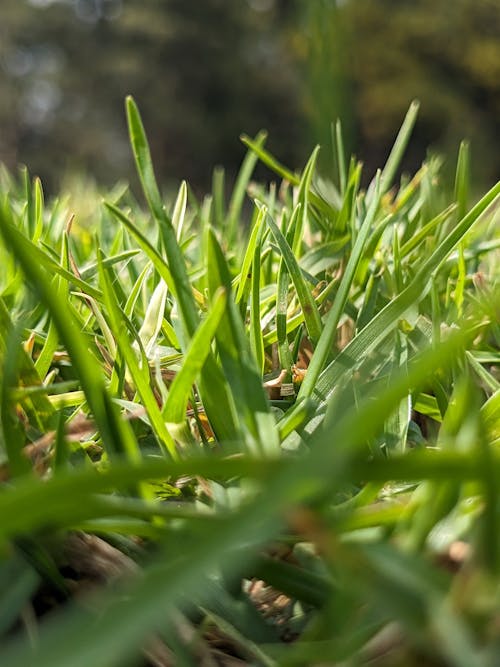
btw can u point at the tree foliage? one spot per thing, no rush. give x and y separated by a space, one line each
204 72
383 53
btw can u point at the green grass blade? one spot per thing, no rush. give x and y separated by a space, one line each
45 357
256 336
153 254
12 433
282 171
135 291
181 286
269 160
309 308
490 413
213 388
51 266
338 143
219 214
328 334
179 212
489 381
174 410
139 372
462 178
397 152
425 231
246 263
90 270
238 195
455 236
153 318
303 200
243 376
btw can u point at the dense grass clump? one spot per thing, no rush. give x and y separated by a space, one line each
273 443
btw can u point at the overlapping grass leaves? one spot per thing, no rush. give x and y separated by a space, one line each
345 493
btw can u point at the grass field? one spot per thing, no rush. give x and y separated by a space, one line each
262 428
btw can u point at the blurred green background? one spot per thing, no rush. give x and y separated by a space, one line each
204 71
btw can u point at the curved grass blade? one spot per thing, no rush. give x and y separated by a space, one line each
45 357
174 410
269 160
310 310
425 231
282 291
51 266
90 270
153 254
490 413
136 288
101 321
181 286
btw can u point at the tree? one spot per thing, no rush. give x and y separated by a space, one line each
202 73
387 52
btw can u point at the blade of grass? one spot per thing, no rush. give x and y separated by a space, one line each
153 254
239 191
279 169
242 278
242 375
338 143
399 147
181 286
138 372
179 212
309 309
256 337
462 178
303 199
328 333
12 432
174 410
153 317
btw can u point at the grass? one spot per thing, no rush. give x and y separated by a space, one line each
288 427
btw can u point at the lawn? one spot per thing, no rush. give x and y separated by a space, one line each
258 428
